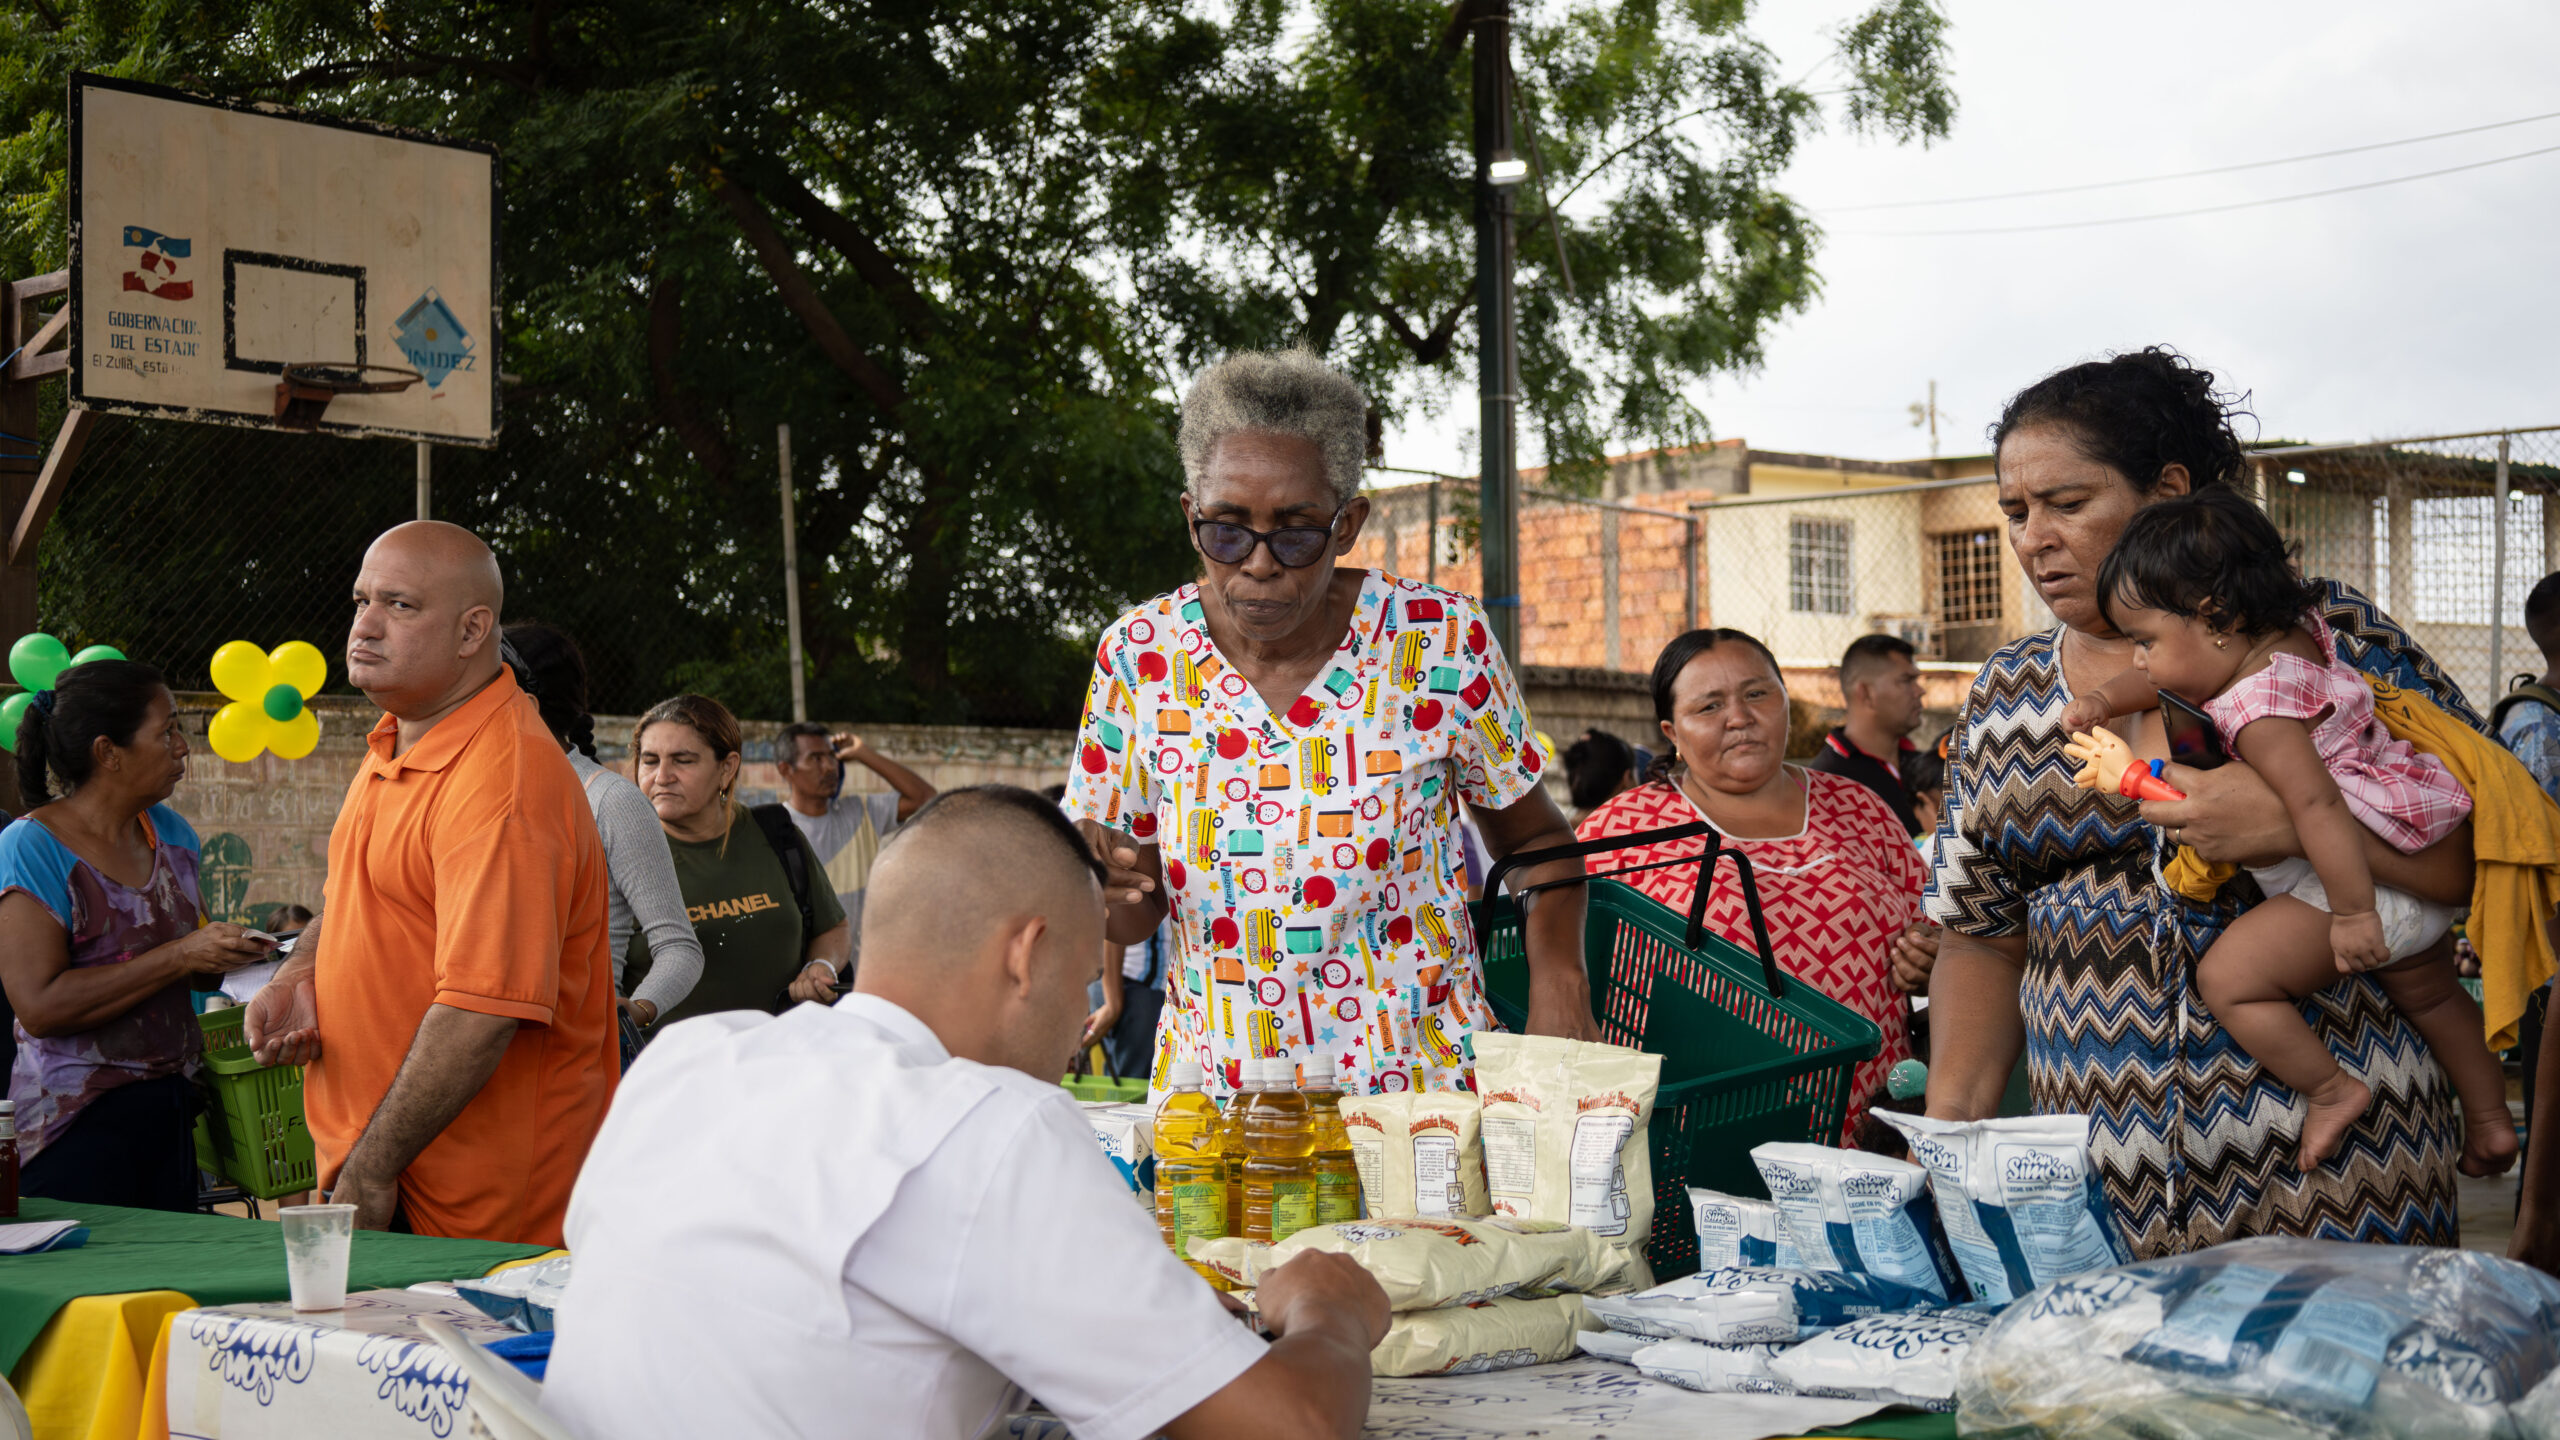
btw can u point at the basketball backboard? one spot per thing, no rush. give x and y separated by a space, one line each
214 243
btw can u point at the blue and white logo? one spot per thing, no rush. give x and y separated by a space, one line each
433 340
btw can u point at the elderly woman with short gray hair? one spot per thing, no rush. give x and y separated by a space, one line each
1275 753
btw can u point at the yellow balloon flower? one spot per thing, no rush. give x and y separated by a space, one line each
269 691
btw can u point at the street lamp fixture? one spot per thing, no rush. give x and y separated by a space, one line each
1506 169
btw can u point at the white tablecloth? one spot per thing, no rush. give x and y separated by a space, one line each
1569 1398
249 1372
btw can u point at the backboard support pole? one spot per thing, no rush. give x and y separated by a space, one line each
426 480
791 581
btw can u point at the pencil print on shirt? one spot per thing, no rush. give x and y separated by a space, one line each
1310 856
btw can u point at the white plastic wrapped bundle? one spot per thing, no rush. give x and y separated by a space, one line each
2271 1339
1734 1232
1908 1359
1752 1306
1715 1369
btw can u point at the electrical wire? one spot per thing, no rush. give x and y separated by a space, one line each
2214 209
2193 174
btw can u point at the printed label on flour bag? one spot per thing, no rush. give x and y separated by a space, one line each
1599 1180
1867 1214
1418 1154
2022 1204
1565 1135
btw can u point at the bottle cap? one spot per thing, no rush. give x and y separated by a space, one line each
1257 1072
1184 1076
1319 1073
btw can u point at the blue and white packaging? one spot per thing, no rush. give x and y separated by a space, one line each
1716 1369
1862 1214
1900 1359
2021 1202
2275 1338
1735 1232
1754 1306
1615 1345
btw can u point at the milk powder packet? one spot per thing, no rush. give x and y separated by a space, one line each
1752 1306
1418 1154
1861 1213
1429 1264
1735 1232
1565 1135
1715 1369
1126 1134
1901 1359
1614 1344
2021 1202
1469 1340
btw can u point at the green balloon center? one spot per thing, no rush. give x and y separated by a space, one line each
283 702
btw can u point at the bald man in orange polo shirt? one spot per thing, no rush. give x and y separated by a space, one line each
454 1001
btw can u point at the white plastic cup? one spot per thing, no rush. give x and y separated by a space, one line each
316 1240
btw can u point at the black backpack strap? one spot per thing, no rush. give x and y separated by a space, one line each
784 837
2534 691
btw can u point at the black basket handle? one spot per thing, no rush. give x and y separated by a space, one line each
1771 976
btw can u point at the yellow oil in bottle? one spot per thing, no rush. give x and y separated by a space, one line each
1279 1166
1337 1179
1191 1171
1231 1143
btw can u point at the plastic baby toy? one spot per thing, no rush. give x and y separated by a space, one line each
2107 763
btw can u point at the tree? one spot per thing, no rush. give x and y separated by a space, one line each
969 251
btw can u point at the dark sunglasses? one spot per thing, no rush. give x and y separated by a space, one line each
1295 546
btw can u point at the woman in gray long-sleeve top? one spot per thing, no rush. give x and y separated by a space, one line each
644 898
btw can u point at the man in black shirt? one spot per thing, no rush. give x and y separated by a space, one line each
1880 686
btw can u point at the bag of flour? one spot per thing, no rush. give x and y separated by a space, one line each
1752 1307
1565 1137
1734 1232
1901 1359
1126 1134
2021 1202
1715 1369
1471 1339
1418 1154
1864 1214
1430 1264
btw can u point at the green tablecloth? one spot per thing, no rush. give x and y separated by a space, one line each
1899 1425
215 1258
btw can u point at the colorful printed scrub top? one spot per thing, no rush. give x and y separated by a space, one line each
108 923
1310 859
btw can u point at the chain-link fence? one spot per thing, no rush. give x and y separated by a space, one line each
2416 525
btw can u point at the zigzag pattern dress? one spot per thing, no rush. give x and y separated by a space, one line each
2194 1141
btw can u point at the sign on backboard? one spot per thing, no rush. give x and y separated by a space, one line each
215 242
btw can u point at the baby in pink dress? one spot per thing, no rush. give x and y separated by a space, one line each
2218 616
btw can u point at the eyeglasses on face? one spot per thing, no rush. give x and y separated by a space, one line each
1295 546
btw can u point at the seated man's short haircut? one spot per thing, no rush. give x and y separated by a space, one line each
1864 653
1025 810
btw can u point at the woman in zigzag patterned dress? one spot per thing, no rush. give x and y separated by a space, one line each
2060 934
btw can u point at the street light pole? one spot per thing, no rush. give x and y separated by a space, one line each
1497 339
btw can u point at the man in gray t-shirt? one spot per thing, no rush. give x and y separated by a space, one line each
845 830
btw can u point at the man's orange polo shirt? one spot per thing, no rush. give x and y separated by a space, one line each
468 873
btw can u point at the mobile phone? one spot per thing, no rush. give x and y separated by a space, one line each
2193 739
260 935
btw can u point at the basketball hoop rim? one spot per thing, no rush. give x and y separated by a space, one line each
318 375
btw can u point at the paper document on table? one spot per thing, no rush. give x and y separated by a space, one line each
37 1235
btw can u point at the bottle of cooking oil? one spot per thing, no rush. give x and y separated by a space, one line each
1231 1140
1191 1173
1279 1166
1337 1179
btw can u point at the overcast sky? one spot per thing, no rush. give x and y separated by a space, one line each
2418 308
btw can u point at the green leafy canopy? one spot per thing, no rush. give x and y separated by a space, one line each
971 251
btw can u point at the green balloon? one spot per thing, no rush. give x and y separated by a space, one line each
282 703
36 659
13 710
97 652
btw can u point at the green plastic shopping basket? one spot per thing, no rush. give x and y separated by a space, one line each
1748 1055
254 1133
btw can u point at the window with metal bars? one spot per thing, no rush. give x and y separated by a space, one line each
1968 577
1818 567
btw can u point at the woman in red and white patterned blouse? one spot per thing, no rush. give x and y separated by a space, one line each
1838 878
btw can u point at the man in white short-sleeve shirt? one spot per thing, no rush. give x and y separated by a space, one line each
885 1218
